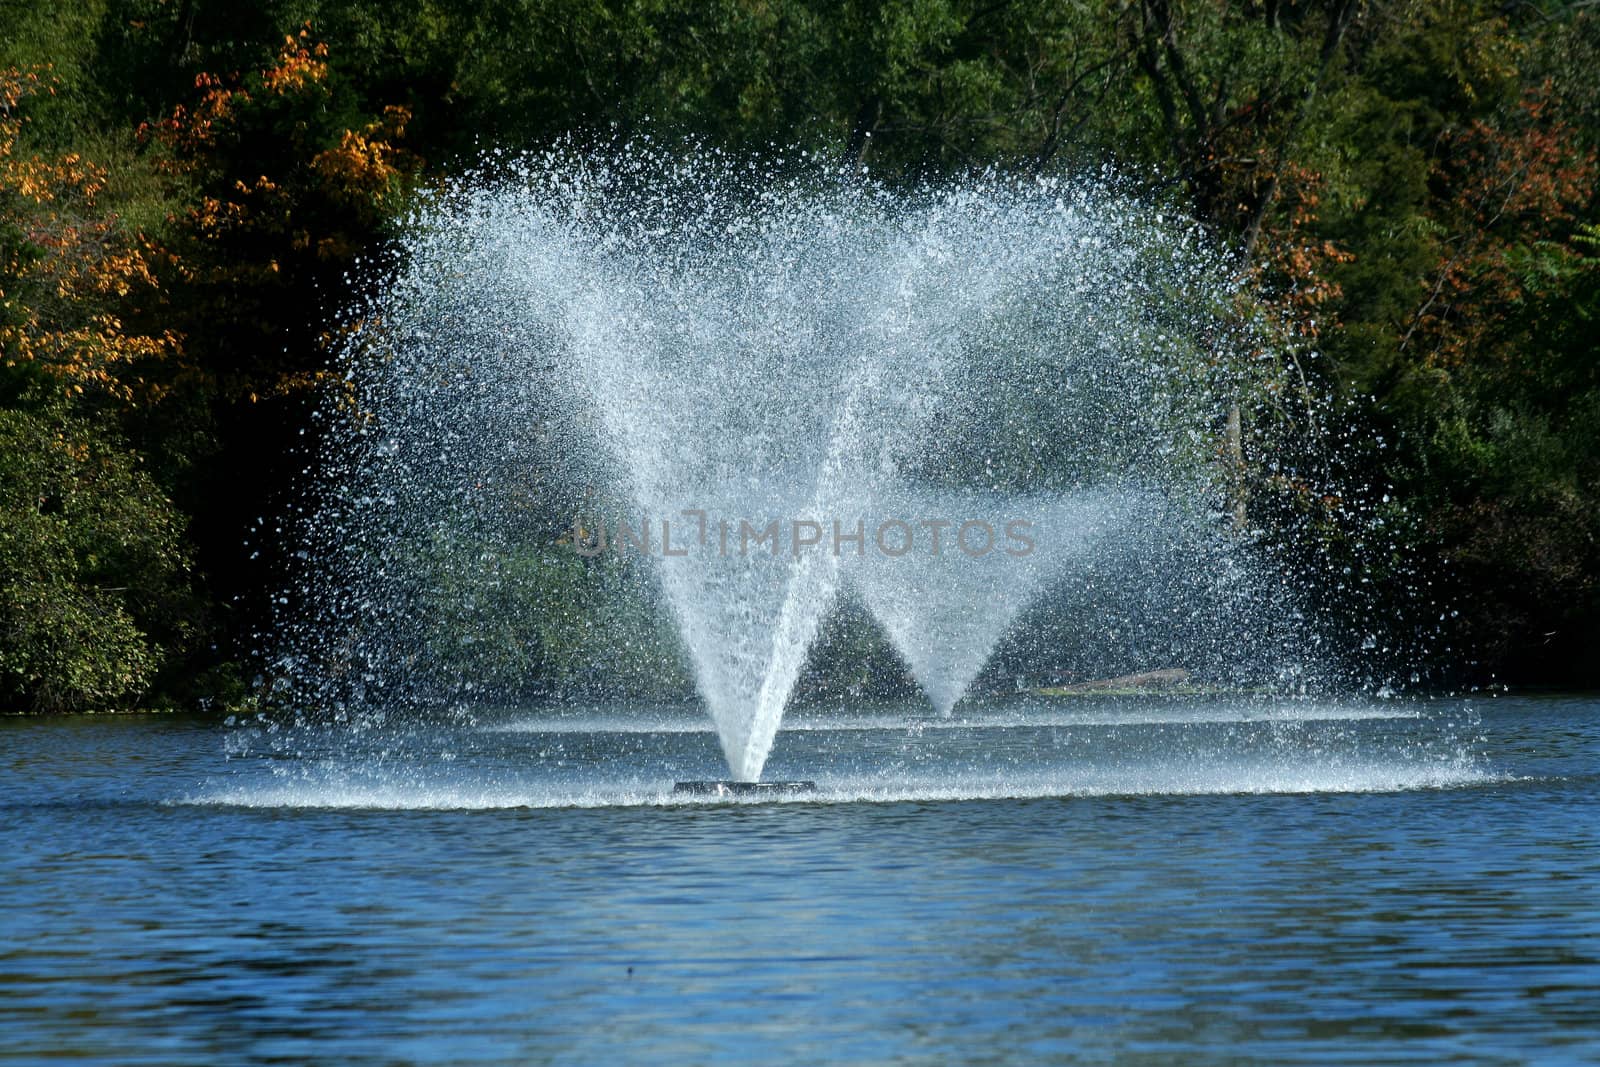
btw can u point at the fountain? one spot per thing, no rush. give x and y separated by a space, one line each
945 610
754 367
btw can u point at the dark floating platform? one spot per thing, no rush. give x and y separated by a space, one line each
742 789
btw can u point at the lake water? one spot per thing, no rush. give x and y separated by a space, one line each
1139 880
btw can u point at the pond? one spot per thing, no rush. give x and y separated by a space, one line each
1140 879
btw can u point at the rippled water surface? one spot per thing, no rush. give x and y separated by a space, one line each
1093 879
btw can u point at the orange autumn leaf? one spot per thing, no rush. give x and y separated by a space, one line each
80 264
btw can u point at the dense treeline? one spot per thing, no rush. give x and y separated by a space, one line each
190 191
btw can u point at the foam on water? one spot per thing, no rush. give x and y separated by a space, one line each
612 759
1150 711
1373 777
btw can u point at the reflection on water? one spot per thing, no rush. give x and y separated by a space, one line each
1154 882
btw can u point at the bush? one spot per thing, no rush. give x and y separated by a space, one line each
92 570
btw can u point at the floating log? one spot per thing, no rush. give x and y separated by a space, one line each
1166 679
715 788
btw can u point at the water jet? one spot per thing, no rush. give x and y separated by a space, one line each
714 343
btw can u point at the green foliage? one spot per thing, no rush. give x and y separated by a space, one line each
60 38
523 618
1412 185
91 568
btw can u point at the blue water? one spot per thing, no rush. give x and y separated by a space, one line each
1138 881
